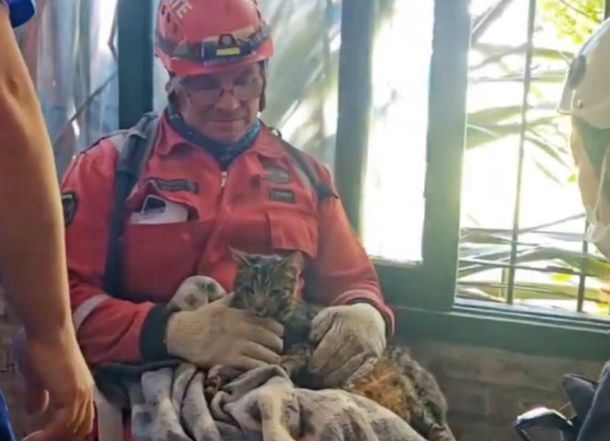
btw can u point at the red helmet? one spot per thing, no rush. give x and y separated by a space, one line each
196 37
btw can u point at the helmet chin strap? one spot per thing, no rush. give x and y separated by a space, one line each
263 98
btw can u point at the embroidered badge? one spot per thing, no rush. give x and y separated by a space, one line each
175 185
277 175
282 195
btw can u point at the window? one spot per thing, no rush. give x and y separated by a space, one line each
460 127
522 217
433 117
71 54
302 88
393 206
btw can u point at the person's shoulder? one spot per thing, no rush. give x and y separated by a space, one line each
107 143
102 155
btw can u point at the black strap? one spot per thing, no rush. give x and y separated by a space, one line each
322 189
133 157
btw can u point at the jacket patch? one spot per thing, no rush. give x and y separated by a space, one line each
175 185
282 195
69 204
277 175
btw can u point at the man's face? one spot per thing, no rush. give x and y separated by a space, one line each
222 106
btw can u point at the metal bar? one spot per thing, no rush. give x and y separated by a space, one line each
355 90
542 227
540 314
445 142
135 47
582 280
327 67
84 49
524 106
488 18
522 287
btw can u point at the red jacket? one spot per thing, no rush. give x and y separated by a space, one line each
263 204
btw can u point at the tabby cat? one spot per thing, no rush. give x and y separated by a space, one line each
268 285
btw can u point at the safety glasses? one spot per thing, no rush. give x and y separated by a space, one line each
207 90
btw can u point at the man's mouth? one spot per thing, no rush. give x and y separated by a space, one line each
226 120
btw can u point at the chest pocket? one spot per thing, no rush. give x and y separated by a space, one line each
161 248
293 231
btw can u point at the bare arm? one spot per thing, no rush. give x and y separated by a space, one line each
32 258
31 228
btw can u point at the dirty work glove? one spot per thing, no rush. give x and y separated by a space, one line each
216 334
348 338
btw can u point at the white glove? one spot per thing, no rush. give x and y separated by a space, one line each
348 338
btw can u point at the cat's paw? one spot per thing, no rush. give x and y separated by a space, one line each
197 291
211 387
217 377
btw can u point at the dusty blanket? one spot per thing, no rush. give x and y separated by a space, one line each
167 403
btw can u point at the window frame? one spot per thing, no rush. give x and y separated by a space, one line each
436 274
421 294
135 36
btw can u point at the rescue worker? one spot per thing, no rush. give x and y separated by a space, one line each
586 98
32 258
216 178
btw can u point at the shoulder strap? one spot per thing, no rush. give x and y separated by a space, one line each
134 154
322 189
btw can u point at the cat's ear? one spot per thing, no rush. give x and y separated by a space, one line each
294 260
239 256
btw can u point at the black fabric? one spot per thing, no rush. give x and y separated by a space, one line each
591 401
134 155
6 430
152 336
322 190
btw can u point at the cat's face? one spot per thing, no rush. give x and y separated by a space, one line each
267 285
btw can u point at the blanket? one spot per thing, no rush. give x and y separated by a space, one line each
167 403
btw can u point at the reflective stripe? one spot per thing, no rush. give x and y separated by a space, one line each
86 308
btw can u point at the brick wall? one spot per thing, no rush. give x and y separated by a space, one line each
487 388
